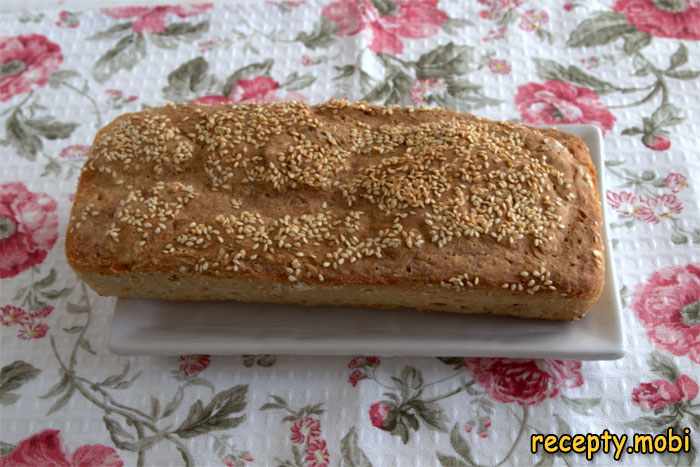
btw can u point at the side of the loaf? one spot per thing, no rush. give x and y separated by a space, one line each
342 204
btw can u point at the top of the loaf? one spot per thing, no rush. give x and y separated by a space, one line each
339 193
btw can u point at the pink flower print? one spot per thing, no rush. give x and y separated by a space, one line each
11 315
496 34
657 142
305 430
306 60
672 19
25 62
75 151
557 102
67 19
42 312
28 228
668 305
499 67
495 9
533 20
153 19
317 454
31 330
688 387
526 382
256 90
655 209
45 449
656 395
675 182
388 21
212 100
624 202
659 394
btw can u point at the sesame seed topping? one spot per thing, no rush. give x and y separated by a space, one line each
419 183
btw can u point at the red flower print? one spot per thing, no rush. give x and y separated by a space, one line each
305 430
360 362
26 61
152 19
500 67
67 19
42 312
497 8
668 305
382 415
317 454
526 382
675 182
356 376
654 209
661 18
32 330
306 60
656 394
45 449
75 151
568 6
483 434
656 142
192 365
468 427
556 102
532 20
28 228
388 21
373 361
624 202
11 315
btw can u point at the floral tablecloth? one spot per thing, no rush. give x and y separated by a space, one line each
631 67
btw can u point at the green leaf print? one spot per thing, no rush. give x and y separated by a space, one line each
13 377
125 55
600 29
353 455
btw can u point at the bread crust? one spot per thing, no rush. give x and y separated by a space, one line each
343 204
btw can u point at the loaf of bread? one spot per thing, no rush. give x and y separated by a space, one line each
340 204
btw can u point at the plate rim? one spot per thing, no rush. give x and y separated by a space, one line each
611 347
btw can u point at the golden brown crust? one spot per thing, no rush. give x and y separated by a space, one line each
341 194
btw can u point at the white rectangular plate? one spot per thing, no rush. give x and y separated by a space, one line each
153 327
